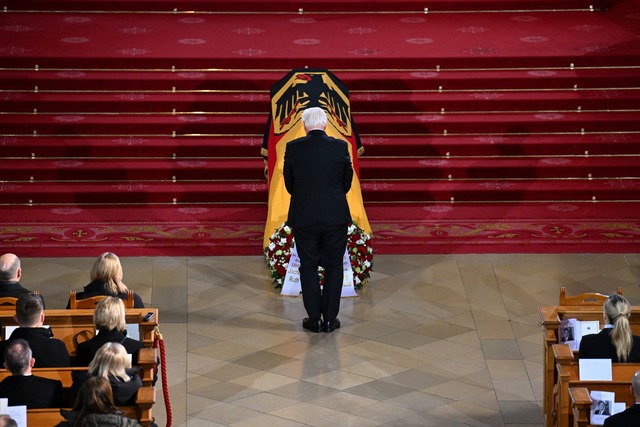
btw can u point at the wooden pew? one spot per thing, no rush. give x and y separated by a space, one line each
550 319
76 326
569 377
142 410
146 368
581 402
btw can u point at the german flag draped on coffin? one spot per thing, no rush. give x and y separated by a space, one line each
298 90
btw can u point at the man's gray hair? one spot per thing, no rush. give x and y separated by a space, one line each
314 118
9 266
635 384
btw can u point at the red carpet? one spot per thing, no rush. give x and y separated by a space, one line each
495 129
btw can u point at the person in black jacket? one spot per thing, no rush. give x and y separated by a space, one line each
615 341
110 322
317 175
46 350
112 362
631 416
10 275
106 279
22 388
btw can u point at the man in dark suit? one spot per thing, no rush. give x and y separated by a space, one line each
10 275
46 350
22 388
631 416
317 175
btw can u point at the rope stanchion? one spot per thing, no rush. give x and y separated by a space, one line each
158 342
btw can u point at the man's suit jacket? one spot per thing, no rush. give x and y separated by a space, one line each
629 418
33 391
599 346
48 351
14 289
86 350
318 174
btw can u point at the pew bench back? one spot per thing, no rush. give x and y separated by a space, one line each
568 375
76 326
550 318
142 410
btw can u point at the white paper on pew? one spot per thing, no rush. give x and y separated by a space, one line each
618 407
8 330
588 327
602 406
18 413
132 329
568 332
291 284
595 369
571 331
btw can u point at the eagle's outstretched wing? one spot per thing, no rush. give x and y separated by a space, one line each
286 104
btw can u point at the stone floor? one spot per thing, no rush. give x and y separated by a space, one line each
431 340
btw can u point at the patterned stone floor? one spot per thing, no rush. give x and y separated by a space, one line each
432 340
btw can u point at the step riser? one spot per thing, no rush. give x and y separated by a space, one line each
421 124
470 104
418 80
221 147
321 6
370 169
139 193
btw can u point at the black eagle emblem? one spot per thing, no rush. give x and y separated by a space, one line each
312 90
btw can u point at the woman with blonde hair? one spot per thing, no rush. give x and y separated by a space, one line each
112 362
94 407
106 279
615 341
109 319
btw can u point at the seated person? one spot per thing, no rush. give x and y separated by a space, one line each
94 407
112 362
7 421
106 279
631 416
46 350
109 318
22 388
615 341
10 275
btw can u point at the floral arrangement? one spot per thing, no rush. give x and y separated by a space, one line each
281 242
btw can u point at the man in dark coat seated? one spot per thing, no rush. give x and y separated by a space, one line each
10 275
631 416
46 350
22 388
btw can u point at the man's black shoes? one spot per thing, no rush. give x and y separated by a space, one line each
331 326
320 326
312 325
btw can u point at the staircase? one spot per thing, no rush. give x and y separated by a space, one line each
169 142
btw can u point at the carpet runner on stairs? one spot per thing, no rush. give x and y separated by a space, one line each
491 129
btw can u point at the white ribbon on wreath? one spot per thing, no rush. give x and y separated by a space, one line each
291 284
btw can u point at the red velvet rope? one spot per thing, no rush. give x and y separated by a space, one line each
163 372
